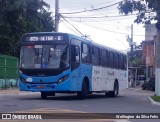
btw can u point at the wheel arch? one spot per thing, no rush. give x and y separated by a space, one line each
86 79
116 80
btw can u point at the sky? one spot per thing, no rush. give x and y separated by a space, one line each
104 26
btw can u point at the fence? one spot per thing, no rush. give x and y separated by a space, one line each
8 71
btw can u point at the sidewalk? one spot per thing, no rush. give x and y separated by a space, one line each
14 91
137 91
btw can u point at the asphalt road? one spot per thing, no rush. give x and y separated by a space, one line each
132 100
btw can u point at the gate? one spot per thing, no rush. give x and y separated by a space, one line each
8 71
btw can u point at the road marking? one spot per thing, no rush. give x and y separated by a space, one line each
65 120
60 110
49 110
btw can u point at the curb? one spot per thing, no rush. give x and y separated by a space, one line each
153 102
20 94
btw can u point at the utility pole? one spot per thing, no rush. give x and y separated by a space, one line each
131 59
131 40
56 15
132 45
133 73
157 73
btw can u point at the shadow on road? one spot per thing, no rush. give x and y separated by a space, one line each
69 97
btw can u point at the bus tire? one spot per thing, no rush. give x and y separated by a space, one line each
84 92
50 93
43 95
115 91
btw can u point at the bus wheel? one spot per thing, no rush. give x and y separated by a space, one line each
43 95
50 93
84 92
115 92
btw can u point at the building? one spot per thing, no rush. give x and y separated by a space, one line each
148 50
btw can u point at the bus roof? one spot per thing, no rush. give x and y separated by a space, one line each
109 48
79 38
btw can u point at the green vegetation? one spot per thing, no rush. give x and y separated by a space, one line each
156 98
145 8
18 17
147 11
136 56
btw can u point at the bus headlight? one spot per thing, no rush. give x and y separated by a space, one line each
62 79
29 79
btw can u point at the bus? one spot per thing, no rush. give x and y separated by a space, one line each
53 62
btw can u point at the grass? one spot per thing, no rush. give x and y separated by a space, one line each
156 98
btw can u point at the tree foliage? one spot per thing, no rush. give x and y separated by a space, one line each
22 16
148 10
136 56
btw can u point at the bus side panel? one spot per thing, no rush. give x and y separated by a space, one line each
103 78
96 78
123 82
108 76
85 71
76 79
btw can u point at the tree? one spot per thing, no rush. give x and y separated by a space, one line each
136 56
148 10
21 16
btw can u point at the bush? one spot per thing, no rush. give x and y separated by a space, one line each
156 98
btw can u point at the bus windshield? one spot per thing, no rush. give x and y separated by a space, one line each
54 56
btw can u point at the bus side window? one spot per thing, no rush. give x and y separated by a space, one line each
104 55
86 50
125 62
121 62
75 57
111 59
96 55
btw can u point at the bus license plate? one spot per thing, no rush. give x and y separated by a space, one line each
40 86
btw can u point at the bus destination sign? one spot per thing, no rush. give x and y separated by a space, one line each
43 38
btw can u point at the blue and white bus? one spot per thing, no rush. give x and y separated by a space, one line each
64 63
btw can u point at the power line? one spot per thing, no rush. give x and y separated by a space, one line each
93 9
105 29
105 19
118 25
100 28
86 17
91 6
72 26
87 6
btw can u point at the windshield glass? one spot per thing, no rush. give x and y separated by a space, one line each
44 56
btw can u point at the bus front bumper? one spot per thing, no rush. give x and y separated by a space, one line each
44 87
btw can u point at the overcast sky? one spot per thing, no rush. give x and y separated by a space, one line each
107 26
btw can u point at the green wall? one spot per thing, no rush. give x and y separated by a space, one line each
8 70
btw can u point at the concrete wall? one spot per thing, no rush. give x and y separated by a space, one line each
150 32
